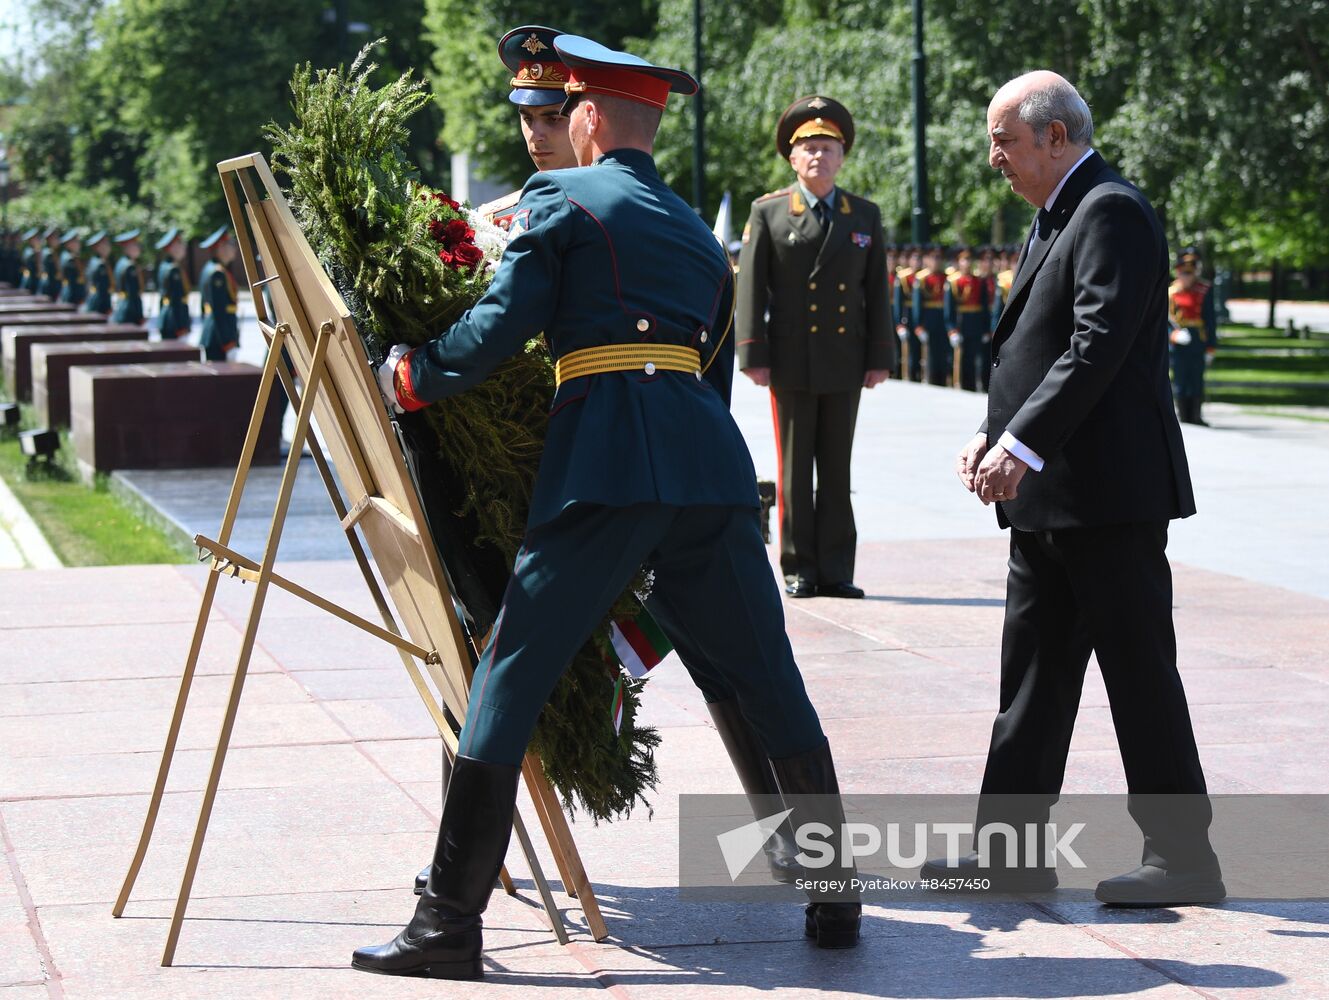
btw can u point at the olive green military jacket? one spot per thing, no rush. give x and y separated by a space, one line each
815 311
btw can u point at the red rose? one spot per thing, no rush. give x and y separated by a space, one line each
437 229
446 257
457 231
467 255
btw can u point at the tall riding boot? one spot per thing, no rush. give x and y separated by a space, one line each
443 939
758 781
422 879
807 782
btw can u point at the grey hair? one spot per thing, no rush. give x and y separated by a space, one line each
1058 101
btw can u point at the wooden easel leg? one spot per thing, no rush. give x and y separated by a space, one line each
538 876
200 627
251 631
564 848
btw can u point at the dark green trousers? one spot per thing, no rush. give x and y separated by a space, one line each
714 596
815 431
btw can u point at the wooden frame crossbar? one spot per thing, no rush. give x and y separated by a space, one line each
339 396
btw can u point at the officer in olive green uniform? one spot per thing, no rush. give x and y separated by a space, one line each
128 279
173 320
50 265
814 323
99 274
217 291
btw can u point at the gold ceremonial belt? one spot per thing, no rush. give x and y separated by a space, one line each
647 358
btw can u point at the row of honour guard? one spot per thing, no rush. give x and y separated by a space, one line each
102 273
945 306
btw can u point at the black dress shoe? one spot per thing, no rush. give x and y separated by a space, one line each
833 925
800 586
845 590
1150 886
999 879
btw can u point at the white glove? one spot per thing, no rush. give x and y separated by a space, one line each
387 377
1181 337
232 354
956 340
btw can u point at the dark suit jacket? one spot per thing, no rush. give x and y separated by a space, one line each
816 312
1080 365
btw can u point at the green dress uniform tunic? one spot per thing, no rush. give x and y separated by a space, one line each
813 308
99 281
642 466
74 289
128 292
173 318
50 281
31 270
218 294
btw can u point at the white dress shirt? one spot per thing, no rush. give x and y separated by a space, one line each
1008 440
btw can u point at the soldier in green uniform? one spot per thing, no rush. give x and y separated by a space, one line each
74 286
538 76
30 260
99 274
217 292
929 315
1193 336
814 324
173 321
640 328
968 318
50 264
128 279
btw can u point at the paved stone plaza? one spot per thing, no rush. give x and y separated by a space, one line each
330 795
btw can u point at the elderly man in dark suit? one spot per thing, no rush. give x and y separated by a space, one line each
1082 454
814 323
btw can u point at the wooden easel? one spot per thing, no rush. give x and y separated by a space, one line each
318 336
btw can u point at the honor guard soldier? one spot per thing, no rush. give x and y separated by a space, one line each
643 464
538 76
903 307
814 324
217 292
969 319
30 260
74 286
1003 280
99 274
128 279
173 321
50 264
929 315
1193 337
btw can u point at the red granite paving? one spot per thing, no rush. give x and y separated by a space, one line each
330 797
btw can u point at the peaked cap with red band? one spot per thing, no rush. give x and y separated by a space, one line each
811 116
538 75
595 69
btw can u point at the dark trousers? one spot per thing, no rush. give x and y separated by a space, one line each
933 321
1106 590
714 596
817 532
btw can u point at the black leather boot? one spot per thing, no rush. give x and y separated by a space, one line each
422 879
807 782
443 939
758 781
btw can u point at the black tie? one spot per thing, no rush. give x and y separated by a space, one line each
823 211
1043 227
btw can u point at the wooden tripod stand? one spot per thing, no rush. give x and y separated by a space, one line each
316 334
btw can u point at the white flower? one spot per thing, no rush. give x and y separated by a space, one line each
490 238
